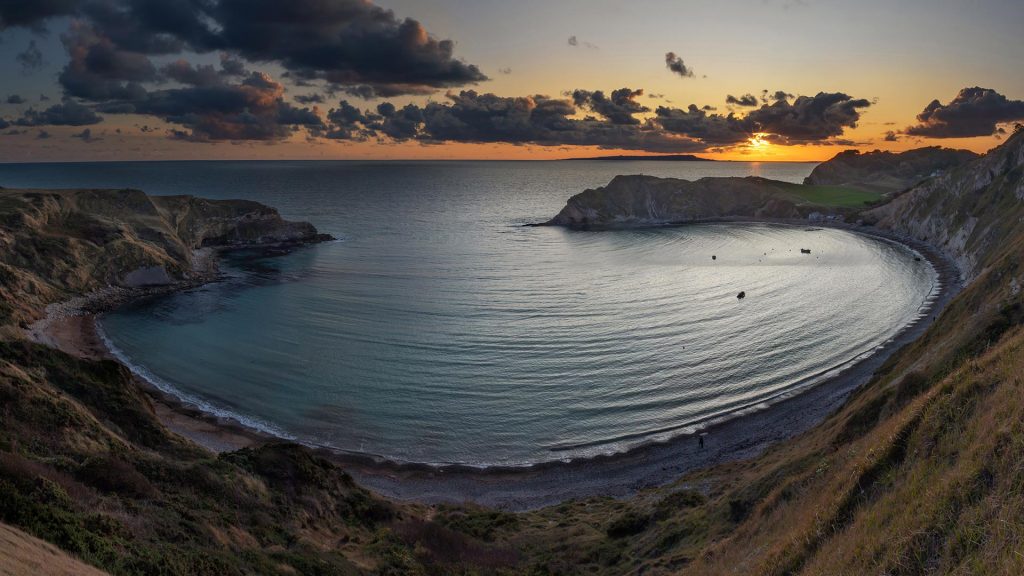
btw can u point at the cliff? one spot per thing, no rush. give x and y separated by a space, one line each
648 200
974 213
887 171
918 472
59 243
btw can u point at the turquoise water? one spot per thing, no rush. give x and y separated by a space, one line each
438 329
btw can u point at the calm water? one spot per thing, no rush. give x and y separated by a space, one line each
440 330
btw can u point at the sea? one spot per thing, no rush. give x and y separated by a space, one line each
439 329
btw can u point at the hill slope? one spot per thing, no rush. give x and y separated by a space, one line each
649 200
886 171
59 243
918 473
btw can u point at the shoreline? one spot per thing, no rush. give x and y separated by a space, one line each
738 436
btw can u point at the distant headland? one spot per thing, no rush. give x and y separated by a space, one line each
659 158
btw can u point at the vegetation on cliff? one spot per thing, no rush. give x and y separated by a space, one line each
648 200
59 243
880 171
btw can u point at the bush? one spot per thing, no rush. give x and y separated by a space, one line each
628 524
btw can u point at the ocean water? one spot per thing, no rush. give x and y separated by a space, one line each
438 329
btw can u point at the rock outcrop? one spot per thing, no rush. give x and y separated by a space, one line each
54 243
887 171
651 201
973 213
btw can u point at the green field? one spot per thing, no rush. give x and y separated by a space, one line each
836 196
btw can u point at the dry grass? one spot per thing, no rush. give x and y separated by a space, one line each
21 554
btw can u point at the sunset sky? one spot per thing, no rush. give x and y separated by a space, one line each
475 79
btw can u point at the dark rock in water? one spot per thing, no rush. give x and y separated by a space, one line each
713 257
805 250
741 295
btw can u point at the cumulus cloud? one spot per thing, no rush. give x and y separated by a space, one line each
807 119
676 65
42 135
469 116
891 136
973 112
33 13
345 43
67 113
15 99
251 110
309 99
618 108
744 100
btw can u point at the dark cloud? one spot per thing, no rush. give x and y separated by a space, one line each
808 119
778 95
15 99
345 42
696 123
68 113
4 124
676 65
231 66
744 100
619 108
86 136
42 135
309 99
30 59
252 110
99 70
483 118
891 136
973 112
44 98
505 71
574 41
183 72
33 13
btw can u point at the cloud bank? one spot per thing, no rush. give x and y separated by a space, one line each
973 112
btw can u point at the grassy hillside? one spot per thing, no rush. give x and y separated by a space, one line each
830 196
918 473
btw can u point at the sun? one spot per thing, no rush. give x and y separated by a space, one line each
758 141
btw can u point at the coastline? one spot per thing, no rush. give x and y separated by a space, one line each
744 435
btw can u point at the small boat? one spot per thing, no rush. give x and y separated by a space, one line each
805 250
741 295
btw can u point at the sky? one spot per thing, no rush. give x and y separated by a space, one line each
765 80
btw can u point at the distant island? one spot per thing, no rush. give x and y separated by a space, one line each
659 158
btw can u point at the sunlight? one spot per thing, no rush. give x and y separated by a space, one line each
758 141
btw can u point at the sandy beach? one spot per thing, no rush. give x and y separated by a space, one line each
71 327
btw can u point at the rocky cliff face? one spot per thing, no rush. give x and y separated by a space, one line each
59 242
648 200
887 171
974 213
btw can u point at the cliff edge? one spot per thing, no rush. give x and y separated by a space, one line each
59 243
